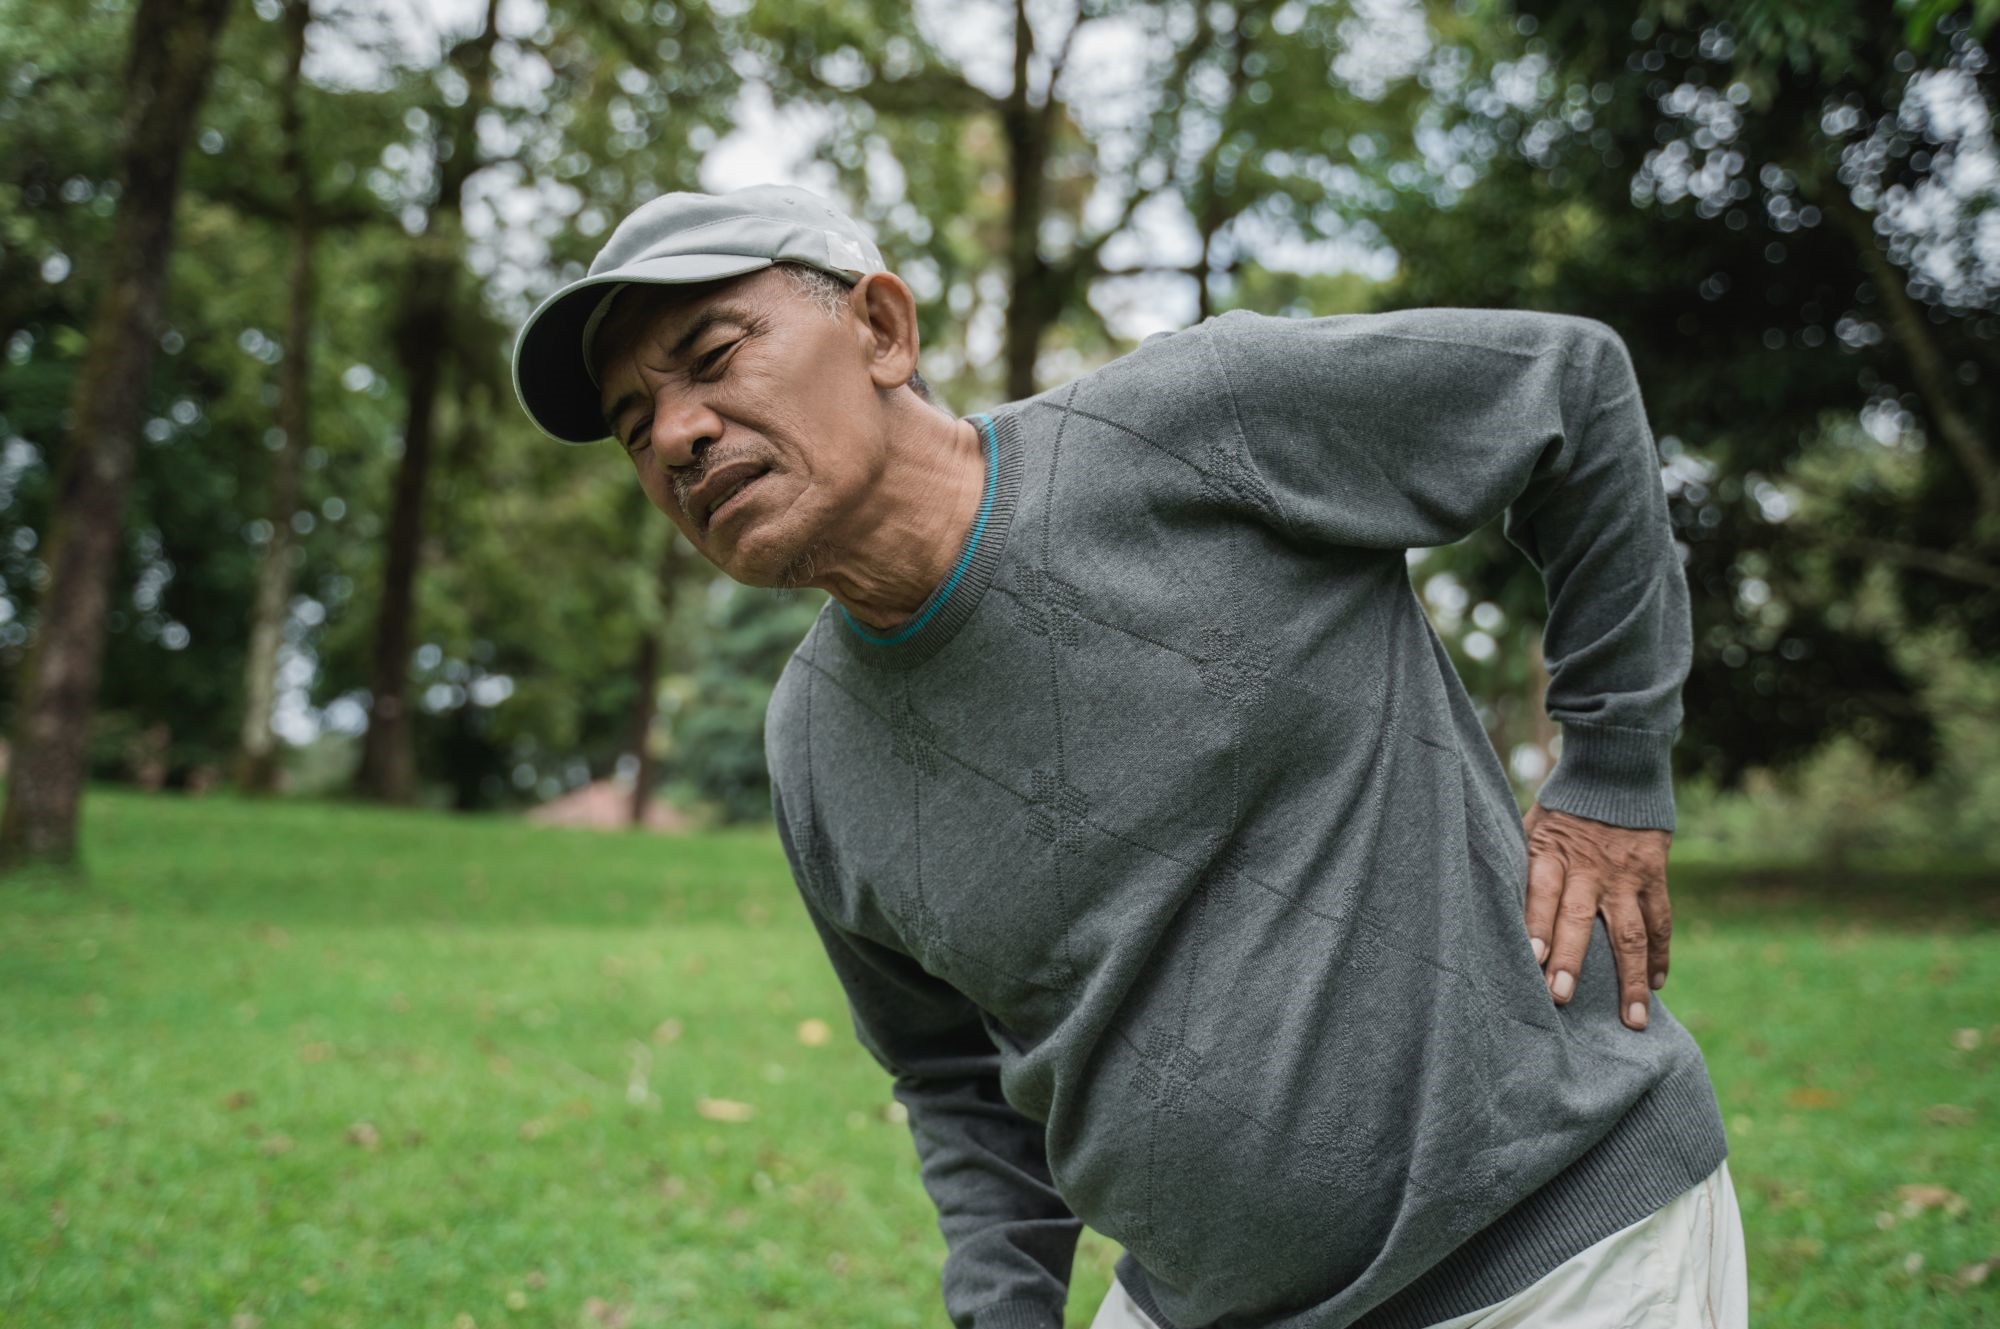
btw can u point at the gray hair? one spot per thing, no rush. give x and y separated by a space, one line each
828 294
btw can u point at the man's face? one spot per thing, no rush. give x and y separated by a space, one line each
745 378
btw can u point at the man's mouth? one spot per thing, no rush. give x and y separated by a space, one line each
731 500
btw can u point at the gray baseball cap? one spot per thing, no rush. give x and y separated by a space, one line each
672 240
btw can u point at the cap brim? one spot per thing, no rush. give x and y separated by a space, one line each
550 376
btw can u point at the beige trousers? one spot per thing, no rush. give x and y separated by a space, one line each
1678 1268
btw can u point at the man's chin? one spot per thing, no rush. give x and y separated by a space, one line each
799 571
755 563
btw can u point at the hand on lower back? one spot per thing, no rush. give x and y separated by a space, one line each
1579 868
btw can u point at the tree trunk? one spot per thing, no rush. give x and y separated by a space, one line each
645 704
256 758
646 675
388 754
167 75
1026 131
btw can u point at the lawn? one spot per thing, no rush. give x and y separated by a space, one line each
296 1065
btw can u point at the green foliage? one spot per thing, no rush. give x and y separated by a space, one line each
716 720
1843 809
1696 176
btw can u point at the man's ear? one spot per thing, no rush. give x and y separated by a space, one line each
887 309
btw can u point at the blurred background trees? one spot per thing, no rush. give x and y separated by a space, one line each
345 561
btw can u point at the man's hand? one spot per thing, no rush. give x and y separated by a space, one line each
1578 868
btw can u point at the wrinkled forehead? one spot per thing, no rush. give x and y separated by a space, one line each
646 311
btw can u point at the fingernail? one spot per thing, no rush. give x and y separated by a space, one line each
1541 950
1659 981
1635 1014
1564 985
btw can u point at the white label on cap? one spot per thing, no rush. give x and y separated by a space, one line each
841 250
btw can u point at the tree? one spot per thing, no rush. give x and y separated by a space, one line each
1730 187
167 73
256 766
423 339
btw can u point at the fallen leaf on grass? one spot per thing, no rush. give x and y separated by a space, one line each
238 1098
608 1314
895 1112
277 1144
814 1033
1801 1248
534 1129
1919 1196
1972 1275
365 1135
1811 1096
1948 1114
310 1052
517 1300
667 1031
245 1320
1965 1040
723 1109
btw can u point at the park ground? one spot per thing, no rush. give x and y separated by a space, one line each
292 1064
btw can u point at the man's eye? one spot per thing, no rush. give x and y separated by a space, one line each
708 362
640 436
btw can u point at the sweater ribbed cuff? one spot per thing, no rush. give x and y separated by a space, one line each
1018 1315
1611 774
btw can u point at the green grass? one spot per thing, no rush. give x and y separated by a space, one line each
288 1064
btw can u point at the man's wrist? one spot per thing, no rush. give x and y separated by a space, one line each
1608 773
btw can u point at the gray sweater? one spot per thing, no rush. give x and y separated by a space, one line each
1165 863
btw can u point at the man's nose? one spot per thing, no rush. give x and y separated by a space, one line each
681 432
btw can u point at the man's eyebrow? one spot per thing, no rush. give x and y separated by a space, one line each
708 318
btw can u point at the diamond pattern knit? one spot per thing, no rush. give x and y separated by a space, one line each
1167 868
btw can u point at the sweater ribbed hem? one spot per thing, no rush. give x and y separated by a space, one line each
1018 1315
938 619
1669 1141
1615 775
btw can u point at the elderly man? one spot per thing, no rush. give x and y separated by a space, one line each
1144 819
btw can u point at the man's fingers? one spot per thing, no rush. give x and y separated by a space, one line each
1545 889
1574 918
1627 929
1659 931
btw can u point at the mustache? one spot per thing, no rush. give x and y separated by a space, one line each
684 482
684 479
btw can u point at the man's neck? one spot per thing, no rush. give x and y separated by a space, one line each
929 495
